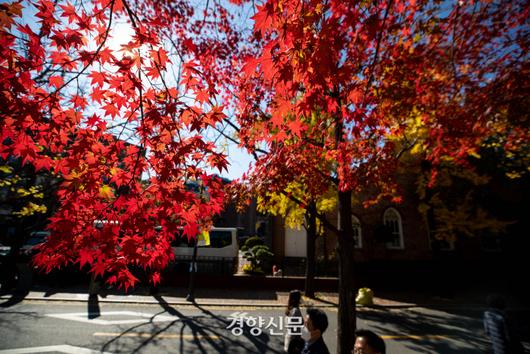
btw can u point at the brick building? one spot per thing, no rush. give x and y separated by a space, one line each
394 244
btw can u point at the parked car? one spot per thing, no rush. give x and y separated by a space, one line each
36 238
221 255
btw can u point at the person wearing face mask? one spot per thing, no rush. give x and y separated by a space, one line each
316 323
367 342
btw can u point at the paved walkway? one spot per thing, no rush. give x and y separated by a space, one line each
205 297
248 298
252 296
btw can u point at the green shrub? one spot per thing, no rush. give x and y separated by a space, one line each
255 252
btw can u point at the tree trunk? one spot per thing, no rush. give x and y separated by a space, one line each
346 314
311 230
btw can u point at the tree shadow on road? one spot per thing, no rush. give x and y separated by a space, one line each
205 332
439 331
93 307
16 297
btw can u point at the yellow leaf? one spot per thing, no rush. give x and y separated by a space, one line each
106 192
204 239
6 169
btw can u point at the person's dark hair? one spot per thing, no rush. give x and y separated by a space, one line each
373 340
318 318
496 302
294 300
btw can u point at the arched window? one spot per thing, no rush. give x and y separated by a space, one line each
357 235
392 221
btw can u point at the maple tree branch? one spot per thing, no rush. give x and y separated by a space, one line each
238 129
406 148
226 135
94 55
376 54
205 13
124 125
453 64
312 141
320 216
299 202
142 145
327 224
132 15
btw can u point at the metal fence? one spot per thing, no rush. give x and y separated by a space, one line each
295 266
218 265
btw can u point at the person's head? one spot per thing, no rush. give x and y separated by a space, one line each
496 302
294 300
367 342
316 323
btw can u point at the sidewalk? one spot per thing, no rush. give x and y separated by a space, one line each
203 297
245 298
255 292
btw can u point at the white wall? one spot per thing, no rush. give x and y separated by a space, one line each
295 242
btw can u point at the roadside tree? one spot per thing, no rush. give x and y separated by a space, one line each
300 210
367 68
113 97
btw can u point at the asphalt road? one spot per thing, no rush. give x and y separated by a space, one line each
37 327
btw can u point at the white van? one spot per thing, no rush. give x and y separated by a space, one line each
221 254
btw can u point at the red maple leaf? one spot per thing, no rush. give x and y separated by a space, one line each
98 94
85 257
111 110
296 127
263 17
92 120
159 57
79 101
99 268
69 11
60 58
106 55
155 278
202 96
56 81
97 77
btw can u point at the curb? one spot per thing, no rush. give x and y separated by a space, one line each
146 300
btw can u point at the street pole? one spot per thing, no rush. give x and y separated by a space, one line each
193 265
193 269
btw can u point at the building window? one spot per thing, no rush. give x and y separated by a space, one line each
392 221
357 236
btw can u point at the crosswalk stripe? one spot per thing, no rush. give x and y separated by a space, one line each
65 349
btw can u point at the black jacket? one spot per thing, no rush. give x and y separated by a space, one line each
317 347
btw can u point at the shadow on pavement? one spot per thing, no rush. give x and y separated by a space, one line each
16 297
218 293
93 307
204 332
472 304
22 286
438 331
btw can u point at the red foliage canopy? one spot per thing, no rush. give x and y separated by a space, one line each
119 128
345 80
